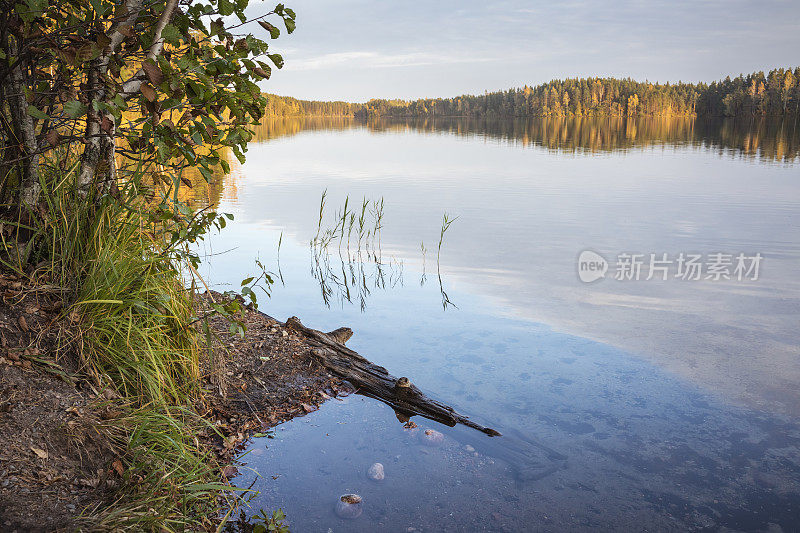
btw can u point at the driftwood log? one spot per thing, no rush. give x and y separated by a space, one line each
374 381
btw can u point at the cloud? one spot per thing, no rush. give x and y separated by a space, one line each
365 59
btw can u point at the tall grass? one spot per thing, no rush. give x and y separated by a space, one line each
170 483
128 299
125 298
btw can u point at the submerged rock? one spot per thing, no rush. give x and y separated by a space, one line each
431 437
349 506
375 472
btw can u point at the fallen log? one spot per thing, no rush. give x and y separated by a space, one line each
376 382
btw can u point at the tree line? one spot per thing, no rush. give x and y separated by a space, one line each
776 93
286 106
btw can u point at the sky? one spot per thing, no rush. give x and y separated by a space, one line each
354 50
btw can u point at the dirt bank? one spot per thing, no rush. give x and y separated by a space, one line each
57 455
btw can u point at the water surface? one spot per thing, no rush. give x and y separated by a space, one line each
665 405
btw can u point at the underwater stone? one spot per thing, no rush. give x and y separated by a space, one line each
431 437
349 506
375 472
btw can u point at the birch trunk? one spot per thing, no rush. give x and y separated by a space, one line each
30 188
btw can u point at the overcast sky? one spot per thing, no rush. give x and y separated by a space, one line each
357 49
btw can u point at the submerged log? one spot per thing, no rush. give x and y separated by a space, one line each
374 381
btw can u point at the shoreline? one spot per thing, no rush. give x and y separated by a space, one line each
61 460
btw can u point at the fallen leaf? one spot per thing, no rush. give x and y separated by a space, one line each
230 471
117 465
23 324
39 452
307 408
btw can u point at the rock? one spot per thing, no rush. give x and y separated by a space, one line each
431 437
349 506
375 472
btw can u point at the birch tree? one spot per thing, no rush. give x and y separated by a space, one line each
161 82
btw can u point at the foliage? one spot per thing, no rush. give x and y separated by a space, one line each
166 77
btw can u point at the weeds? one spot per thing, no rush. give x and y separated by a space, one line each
117 261
361 268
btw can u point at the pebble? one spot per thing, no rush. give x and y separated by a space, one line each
375 472
431 437
349 506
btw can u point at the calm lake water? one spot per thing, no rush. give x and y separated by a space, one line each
625 404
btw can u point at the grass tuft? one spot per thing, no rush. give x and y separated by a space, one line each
124 295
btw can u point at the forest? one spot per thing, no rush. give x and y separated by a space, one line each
776 94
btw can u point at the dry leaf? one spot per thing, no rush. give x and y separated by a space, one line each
148 92
117 465
39 452
23 324
106 125
52 137
154 73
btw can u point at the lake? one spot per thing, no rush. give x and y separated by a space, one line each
663 395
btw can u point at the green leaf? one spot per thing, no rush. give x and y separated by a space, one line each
277 59
225 8
171 34
290 25
74 109
98 7
247 281
35 112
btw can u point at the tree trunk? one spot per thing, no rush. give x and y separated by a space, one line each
29 187
98 164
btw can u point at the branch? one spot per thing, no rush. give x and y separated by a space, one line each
117 31
132 85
